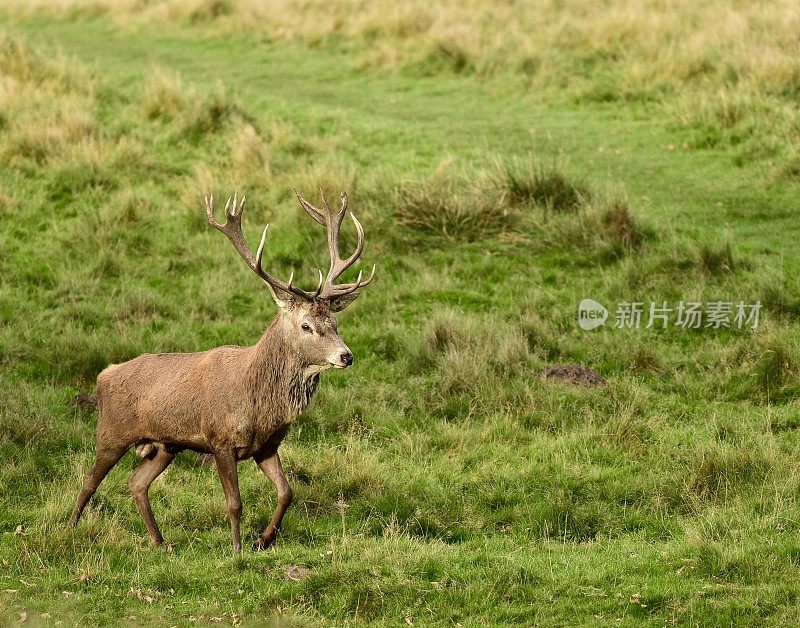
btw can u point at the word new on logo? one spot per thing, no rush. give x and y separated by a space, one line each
591 314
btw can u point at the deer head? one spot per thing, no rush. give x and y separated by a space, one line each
306 320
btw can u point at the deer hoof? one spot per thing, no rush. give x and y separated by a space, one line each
264 541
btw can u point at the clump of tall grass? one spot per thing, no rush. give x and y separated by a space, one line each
198 114
520 201
210 10
716 469
528 182
611 216
789 166
716 259
630 430
164 96
780 294
451 205
456 337
642 357
48 106
754 125
541 334
776 373
444 56
470 356
249 152
211 113
767 369
26 65
603 229
7 203
334 477
49 133
70 180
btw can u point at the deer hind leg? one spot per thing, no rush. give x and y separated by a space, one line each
226 467
142 477
271 466
105 459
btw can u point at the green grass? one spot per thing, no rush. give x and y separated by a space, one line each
439 481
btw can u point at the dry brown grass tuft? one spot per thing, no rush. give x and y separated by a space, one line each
528 182
164 96
469 347
26 66
518 202
611 217
643 44
716 259
48 106
451 204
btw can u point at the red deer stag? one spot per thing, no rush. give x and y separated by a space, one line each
233 402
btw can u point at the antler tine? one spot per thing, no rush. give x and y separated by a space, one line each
260 250
233 231
210 209
319 285
347 288
315 213
360 244
324 200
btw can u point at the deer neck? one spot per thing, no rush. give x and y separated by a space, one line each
278 378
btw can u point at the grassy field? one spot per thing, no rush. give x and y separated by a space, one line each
506 164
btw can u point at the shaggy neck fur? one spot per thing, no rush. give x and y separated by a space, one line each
280 383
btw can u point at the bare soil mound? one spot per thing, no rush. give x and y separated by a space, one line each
87 402
575 374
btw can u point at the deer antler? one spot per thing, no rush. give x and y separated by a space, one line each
233 230
332 222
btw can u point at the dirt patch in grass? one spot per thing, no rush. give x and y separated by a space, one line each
85 401
574 374
295 573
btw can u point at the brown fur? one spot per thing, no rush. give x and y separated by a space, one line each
234 402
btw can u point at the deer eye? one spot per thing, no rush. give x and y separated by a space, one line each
305 327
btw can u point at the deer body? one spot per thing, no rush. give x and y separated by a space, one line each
229 397
233 402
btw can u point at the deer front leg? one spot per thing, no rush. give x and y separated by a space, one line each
226 467
271 466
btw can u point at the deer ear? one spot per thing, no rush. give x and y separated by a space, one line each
337 304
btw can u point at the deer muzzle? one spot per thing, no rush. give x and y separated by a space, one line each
341 360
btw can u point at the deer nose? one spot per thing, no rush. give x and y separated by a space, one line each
347 358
